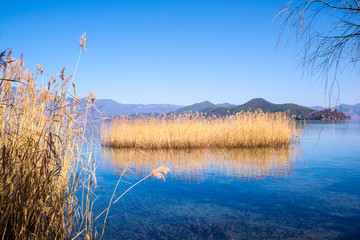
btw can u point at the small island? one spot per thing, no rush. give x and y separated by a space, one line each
328 114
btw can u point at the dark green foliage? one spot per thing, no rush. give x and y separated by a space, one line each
252 105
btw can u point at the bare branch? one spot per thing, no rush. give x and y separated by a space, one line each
331 47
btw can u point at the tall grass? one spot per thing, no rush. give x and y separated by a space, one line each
47 166
243 130
39 147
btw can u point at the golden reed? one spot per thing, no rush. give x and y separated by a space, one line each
243 130
41 156
47 167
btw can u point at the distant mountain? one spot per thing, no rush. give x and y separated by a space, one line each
225 105
259 103
352 110
317 108
197 107
328 114
109 107
205 107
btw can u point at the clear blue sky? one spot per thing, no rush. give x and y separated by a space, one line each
174 51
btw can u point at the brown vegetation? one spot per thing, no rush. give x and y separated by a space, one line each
243 130
47 168
39 148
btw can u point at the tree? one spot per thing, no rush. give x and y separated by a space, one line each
329 32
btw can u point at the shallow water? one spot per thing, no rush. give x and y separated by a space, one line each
311 190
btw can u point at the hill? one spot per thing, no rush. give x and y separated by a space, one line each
254 104
352 110
197 107
327 114
317 108
109 107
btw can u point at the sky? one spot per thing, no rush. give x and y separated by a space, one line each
167 51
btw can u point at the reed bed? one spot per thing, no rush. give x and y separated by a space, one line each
47 165
39 144
243 130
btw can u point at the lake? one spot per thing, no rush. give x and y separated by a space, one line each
311 190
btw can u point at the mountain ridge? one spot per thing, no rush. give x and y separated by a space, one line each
352 110
110 107
252 105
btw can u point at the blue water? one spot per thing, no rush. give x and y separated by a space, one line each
311 191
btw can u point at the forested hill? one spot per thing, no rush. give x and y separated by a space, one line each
252 105
108 107
203 107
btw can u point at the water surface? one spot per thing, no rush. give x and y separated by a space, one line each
311 190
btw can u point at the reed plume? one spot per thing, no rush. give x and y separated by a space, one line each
47 165
42 161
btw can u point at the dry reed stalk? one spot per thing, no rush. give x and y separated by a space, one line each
42 162
243 130
45 160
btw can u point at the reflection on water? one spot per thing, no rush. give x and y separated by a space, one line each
320 200
197 165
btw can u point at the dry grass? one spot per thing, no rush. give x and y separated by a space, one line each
43 163
39 147
243 130
47 166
